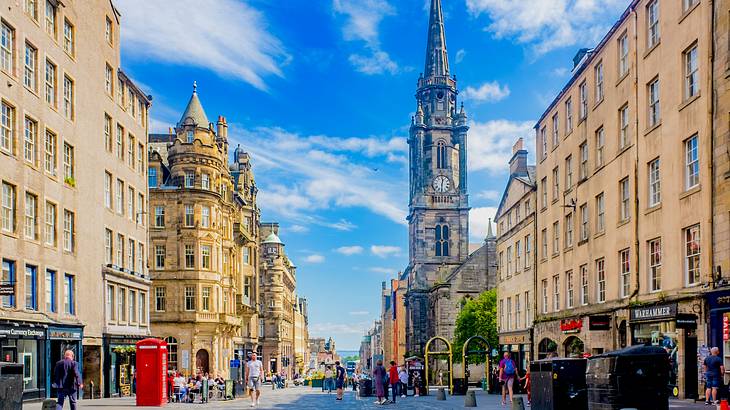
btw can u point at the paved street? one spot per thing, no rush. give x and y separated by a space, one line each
305 398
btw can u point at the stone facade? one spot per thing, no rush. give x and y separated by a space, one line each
301 336
61 81
393 319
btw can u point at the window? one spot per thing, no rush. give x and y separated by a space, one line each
556 127
8 278
205 298
501 314
160 294
569 289
130 150
31 216
189 256
583 90
120 251
152 177
111 303
652 23
500 264
31 8
69 231
583 171
600 213
51 18
625 272
205 181
189 179
655 191
624 205
654 113
108 190
190 137
584 222
50 153
31 287
122 305
543 192
623 118
569 172
568 115
140 209
544 240
544 296
120 142
31 136
31 63
528 250
687 4
601 279
120 91
68 164
50 291
509 261
692 254
130 203
69 304
543 141
584 284
50 83
246 255
140 157
509 313
109 31
205 216
440 155
109 80
7 127
623 55
691 73
569 230
142 308
189 216
189 298
442 240
518 257
556 183
108 247
692 164
132 305
556 293
8 210
119 192
159 216
598 74
130 255
50 233
69 37
655 264
68 98
556 237
7 47
205 256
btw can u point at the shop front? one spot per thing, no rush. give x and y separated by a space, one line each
519 344
577 336
718 303
60 339
26 343
119 365
664 325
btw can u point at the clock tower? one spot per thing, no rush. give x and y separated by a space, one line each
438 218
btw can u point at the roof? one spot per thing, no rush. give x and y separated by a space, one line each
272 238
527 179
194 111
437 59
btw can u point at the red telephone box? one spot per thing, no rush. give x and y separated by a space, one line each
151 372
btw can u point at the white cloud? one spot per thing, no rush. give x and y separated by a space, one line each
384 251
460 56
386 271
378 62
328 328
489 195
546 25
487 92
314 258
478 222
490 143
298 229
561 71
228 37
359 313
349 250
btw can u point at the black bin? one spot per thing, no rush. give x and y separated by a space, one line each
366 387
460 387
11 386
635 377
558 384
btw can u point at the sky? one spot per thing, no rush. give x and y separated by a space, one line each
321 93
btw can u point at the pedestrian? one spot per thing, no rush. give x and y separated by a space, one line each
714 369
416 383
340 382
328 374
379 376
507 374
356 379
403 378
393 379
254 371
67 379
528 385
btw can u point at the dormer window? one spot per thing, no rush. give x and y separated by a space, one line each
190 137
271 250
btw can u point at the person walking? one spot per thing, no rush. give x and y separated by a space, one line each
379 376
328 379
507 374
403 379
416 383
714 369
254 371
67 379
339 379
528 384
393 379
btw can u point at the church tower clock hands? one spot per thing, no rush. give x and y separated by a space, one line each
438 215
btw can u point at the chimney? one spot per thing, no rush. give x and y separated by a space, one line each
222 127
518 163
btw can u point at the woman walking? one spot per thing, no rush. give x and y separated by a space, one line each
379 375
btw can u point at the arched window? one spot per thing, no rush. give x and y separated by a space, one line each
442 240
171 353
440 155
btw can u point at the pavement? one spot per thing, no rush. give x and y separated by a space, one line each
306 398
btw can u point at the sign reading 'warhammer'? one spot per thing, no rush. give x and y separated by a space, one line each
654 312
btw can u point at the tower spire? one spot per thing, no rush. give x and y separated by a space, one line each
437 59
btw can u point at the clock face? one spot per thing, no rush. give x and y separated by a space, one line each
441 184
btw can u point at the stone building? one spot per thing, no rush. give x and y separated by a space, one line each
301 336
393 319
625 191
441 270
278 303
515 220
62 83
203 237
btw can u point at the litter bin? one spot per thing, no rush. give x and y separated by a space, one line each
558 384
460 387
634 377
11 386
366 387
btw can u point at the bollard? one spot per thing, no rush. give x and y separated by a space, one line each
518 404
471 399
49 404
441 394
723 405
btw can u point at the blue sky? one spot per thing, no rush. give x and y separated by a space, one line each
321 93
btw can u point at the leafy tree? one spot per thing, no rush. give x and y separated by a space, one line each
477 317
351 359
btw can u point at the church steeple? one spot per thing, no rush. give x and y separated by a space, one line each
437 59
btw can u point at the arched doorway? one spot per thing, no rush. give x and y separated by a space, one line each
202 361
546 348
573 347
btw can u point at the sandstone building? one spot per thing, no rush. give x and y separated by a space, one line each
301 336
71 123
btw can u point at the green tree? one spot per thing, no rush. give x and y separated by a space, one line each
477 317
351 359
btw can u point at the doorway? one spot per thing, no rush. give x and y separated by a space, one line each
202 361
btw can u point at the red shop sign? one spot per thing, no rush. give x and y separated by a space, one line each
571 325
725 328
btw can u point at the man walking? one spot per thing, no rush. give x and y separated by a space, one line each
340 379
254 370
67 379
714 369
393 379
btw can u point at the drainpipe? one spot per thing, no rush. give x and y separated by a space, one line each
635 223
535 258
711 146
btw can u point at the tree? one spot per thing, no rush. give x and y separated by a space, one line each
351 358
478 317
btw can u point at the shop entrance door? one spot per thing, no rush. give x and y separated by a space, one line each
690 366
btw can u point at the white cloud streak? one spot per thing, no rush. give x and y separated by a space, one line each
487 92
490 143
349 250
384 251
314 258
386 271
478 222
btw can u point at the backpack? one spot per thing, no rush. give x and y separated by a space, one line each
509 368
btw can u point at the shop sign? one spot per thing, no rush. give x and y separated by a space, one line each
64 334
513 339
602 322
686 321
22 331
725 328
571 325
7 289
654 312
